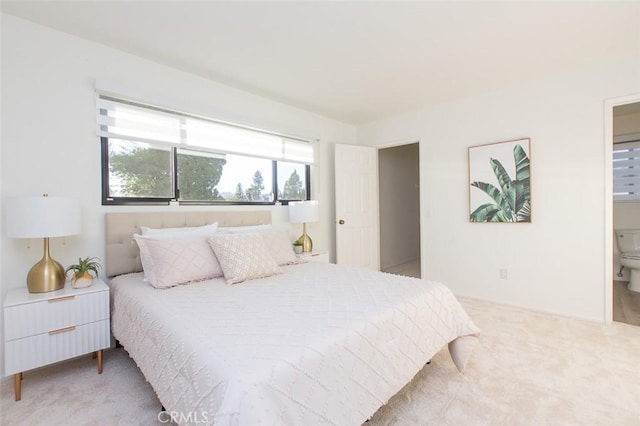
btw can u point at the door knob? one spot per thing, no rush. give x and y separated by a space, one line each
341 222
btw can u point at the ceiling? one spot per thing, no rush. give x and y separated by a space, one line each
355 61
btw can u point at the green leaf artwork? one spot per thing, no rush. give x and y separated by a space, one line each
511 198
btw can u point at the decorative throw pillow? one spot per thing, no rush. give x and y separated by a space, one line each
277 240
169 262
243 256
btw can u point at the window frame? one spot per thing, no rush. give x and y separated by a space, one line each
307 177
175 198
130 119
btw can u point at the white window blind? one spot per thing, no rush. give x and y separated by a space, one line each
626 171
132 121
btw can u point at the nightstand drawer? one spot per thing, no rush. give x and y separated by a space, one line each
30 319
56 345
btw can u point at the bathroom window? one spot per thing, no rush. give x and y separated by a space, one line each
626 171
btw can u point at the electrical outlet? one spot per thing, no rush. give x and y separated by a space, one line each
504 274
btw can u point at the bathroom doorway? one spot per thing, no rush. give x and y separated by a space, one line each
626 207
399 198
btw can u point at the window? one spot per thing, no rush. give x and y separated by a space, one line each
153 155
626 171
292 181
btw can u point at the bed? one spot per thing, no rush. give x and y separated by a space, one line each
313 343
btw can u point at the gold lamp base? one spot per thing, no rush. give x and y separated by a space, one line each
46 275
305 240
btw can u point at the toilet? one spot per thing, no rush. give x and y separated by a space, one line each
629 245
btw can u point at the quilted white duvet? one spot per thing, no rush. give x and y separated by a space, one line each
318 344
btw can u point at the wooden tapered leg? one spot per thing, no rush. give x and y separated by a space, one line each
17 385
99 354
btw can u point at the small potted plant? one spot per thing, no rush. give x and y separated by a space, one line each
82 276
297 247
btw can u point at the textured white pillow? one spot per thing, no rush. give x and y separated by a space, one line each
176 232
243 256
248 228
169 262
277 240
279 245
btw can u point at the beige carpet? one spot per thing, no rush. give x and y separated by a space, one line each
528 369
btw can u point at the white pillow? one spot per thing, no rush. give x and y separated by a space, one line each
277 240
184 231
280 246
169 262
249 228
243 256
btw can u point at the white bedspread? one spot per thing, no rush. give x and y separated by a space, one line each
318 344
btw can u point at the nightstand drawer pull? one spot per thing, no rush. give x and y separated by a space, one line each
61 299
62 330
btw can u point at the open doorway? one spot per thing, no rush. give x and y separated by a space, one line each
626 212
399 198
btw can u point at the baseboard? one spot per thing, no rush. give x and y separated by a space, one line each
529 308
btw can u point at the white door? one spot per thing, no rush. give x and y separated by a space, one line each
356 173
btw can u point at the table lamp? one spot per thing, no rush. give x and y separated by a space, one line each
304 212
43 217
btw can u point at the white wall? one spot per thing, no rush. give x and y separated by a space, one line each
556 263
49 142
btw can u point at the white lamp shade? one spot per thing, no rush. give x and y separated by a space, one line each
41 217
303 211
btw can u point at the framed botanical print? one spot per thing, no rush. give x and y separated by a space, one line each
500 182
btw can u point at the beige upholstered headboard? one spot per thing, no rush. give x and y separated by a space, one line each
122 255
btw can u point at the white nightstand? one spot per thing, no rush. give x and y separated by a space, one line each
43 328
321 256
